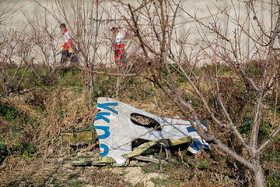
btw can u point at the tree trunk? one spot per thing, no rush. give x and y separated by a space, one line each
6 89
91 84
259 177
86 89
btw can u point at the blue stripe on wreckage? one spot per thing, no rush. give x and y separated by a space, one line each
197 144
101 116
191 129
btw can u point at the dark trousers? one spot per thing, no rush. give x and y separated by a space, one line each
65 55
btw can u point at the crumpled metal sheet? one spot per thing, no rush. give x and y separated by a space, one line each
116 130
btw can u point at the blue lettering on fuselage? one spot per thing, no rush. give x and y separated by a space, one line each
106 129
106 106
106 132
101 115
105 150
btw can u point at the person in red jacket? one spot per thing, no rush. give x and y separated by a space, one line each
118 46
67 38
66 49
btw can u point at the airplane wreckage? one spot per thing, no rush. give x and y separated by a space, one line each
119 125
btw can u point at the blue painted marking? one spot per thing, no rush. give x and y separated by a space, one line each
101 115
204 124
106 131
105 150
106 106
191 129
194 147
197 145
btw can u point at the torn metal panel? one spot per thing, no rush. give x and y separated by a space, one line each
117 125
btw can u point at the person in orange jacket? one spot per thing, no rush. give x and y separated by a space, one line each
118 46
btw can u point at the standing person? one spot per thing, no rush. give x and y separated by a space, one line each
66 49
118 46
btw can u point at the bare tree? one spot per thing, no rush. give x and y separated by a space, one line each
160 57
45 37
15 53
82 18
7 14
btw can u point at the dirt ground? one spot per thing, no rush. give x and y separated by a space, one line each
61 172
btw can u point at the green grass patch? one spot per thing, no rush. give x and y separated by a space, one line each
7 112
78 89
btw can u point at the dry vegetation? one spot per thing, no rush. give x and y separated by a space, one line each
238 99
35 117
